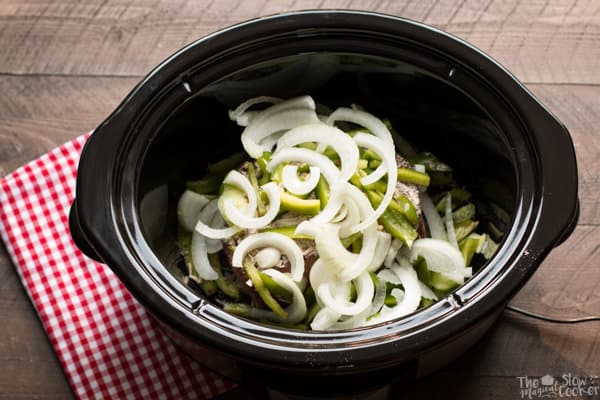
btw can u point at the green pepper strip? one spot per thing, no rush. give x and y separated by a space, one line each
401 204
226 286
295 204
262 162
371 155
464 228
464 213
288 231
262 291
275 289
260 204
222 167
349 240
208 185
468 247
378 186
394 222
408 175
406 207
241 309
323 192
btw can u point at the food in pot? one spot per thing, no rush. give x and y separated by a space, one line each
323 223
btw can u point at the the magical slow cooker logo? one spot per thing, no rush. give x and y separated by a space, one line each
565 386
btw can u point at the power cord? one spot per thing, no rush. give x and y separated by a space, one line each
553 319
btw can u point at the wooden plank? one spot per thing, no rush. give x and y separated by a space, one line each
39 114
28 366
538 40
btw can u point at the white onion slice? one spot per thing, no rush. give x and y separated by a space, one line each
324 319
261 127
267 257
364 293
354 321
327 287
189 206
434 221
328 169
450 223
237 179
392 251
331 250
426 292
379 298
385 152
441 257
211 215
213 233
362 118
250 222
389 160
200 259
240 110
384 241
388 275
325 135
292 182
272 239
407 303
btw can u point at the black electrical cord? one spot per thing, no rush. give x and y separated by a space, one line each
553 319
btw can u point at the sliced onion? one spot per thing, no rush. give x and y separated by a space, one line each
426 292
379 298
324 319
384 241
441 257
272 239
450 222
200 258
213 233
327 239
362 118
383 150
354 321
392 251
267 257
409 302
240 110
325 135
389 160
327 286
189 206
250 222
434 221
328 169
388 275
292 182
210 215
238 180
280 117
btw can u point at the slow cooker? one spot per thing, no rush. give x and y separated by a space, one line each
438 91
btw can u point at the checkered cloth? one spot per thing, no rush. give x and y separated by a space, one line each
109 347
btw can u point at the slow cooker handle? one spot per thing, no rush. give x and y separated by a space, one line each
78 236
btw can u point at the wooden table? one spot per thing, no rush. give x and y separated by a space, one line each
65 64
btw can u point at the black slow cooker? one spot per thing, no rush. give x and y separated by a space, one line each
438 91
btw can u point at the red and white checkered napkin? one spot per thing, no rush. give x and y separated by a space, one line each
107 344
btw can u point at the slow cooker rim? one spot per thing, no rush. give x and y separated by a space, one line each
531 267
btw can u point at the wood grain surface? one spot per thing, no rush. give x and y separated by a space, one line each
66 64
